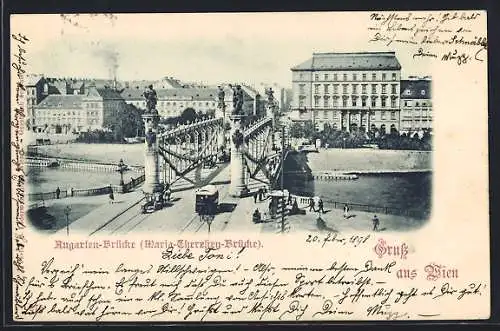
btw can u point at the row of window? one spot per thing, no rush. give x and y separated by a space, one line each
354 76
353 101
409 103
93 105
354 88
42 121
416 111
68 113
335 116
168 103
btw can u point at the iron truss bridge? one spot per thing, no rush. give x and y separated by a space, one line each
188 148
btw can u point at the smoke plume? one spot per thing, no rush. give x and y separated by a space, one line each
109 56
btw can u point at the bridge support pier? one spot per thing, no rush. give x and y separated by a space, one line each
238 187
151 164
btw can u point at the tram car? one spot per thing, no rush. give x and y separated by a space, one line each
207 200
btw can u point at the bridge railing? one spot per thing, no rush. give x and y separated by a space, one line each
42 162
256 125
87 192
184 127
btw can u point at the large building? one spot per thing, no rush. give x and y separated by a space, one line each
173 101
35 92
349 91
77 112
416 105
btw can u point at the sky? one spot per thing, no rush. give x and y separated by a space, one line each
208 48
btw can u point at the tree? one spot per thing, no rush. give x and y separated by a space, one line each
188 115
295 130
309 130
125 121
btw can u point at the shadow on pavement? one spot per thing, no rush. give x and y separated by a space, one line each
320 223
225 207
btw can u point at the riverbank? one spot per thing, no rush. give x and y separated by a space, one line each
368 160
132 154
327 159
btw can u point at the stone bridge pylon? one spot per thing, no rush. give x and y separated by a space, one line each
151 165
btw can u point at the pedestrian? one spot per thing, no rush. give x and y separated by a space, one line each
111 195
320 206
289 199
58 192
168 193
311 205
261 193
71 192
256 217
376 223
346 211
295 207
255 197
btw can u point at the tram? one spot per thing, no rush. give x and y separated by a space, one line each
207 200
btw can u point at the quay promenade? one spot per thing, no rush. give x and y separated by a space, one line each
125 217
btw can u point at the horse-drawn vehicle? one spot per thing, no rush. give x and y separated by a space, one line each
156 201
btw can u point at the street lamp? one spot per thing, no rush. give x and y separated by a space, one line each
67 210
121 169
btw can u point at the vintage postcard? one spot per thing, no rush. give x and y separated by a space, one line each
233 167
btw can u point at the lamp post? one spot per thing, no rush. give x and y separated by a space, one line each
67 210
121 169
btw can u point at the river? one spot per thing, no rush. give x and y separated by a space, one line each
411 192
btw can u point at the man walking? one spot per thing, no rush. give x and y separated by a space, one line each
320 206
346 211
58 192
111 195
311 205
376 223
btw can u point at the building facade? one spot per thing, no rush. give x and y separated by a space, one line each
349 91
172 102
416 105
74 113
35 93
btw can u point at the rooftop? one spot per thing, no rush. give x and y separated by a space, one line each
62 101
351 61
32 80
191 93
416 89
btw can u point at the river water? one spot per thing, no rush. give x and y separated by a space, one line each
410 192
48 180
